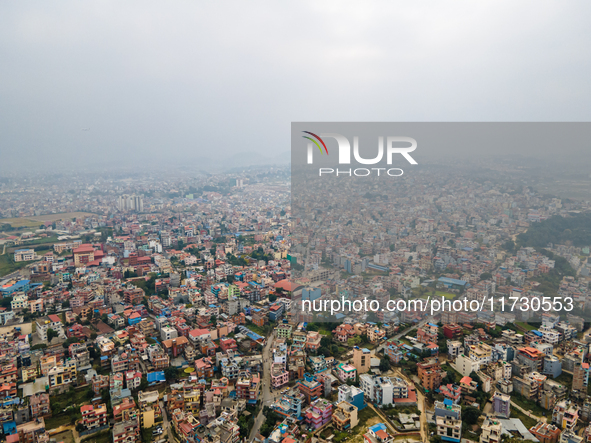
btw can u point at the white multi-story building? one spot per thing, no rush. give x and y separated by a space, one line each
19 301
53 322
549 335
168 333
24 255
383 390
465 365
491 431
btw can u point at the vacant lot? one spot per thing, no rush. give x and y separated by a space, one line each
37 220
66 437
19 222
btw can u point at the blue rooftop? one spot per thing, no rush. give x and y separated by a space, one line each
378 427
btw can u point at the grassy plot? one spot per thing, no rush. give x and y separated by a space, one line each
528 405
527 421
447 295
20 222
101 437
55 421
525 326
8 265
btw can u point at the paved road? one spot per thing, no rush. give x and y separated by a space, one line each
266 396
166 426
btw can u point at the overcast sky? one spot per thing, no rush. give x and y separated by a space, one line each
177 81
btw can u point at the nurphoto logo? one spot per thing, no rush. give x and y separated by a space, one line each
344 148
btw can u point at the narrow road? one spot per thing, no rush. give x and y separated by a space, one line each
166 426
421 404
266 398
529 414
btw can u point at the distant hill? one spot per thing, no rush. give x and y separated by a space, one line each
558 230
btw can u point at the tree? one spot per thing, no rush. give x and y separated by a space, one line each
385 364
170 373
213 320
323 351
325 342
485 276
51 334
143 383
272 298
470 415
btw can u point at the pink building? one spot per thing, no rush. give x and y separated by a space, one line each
345 372
279 376
319 413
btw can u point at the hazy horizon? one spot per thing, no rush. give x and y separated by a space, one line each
215 85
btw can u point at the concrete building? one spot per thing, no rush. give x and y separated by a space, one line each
345 416
501 405
361 359
545 432
491 431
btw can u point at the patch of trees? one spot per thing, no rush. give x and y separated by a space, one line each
558 229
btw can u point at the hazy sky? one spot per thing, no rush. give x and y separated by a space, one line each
174 81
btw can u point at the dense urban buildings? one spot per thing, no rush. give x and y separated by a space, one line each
171 310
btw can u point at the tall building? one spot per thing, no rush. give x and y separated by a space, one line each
133 202
502 405
580 377
430 373
361 359
448 418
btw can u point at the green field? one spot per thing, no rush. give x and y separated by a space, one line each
447 295
527 421
524 325
528 405
8 265
55 421
20 222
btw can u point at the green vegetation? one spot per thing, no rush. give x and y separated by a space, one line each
527 421
445 294
8 265
55 421
525 326
452 376
272 418
528 405
72 398
101 437
575 230
363 417
261 331
565 379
